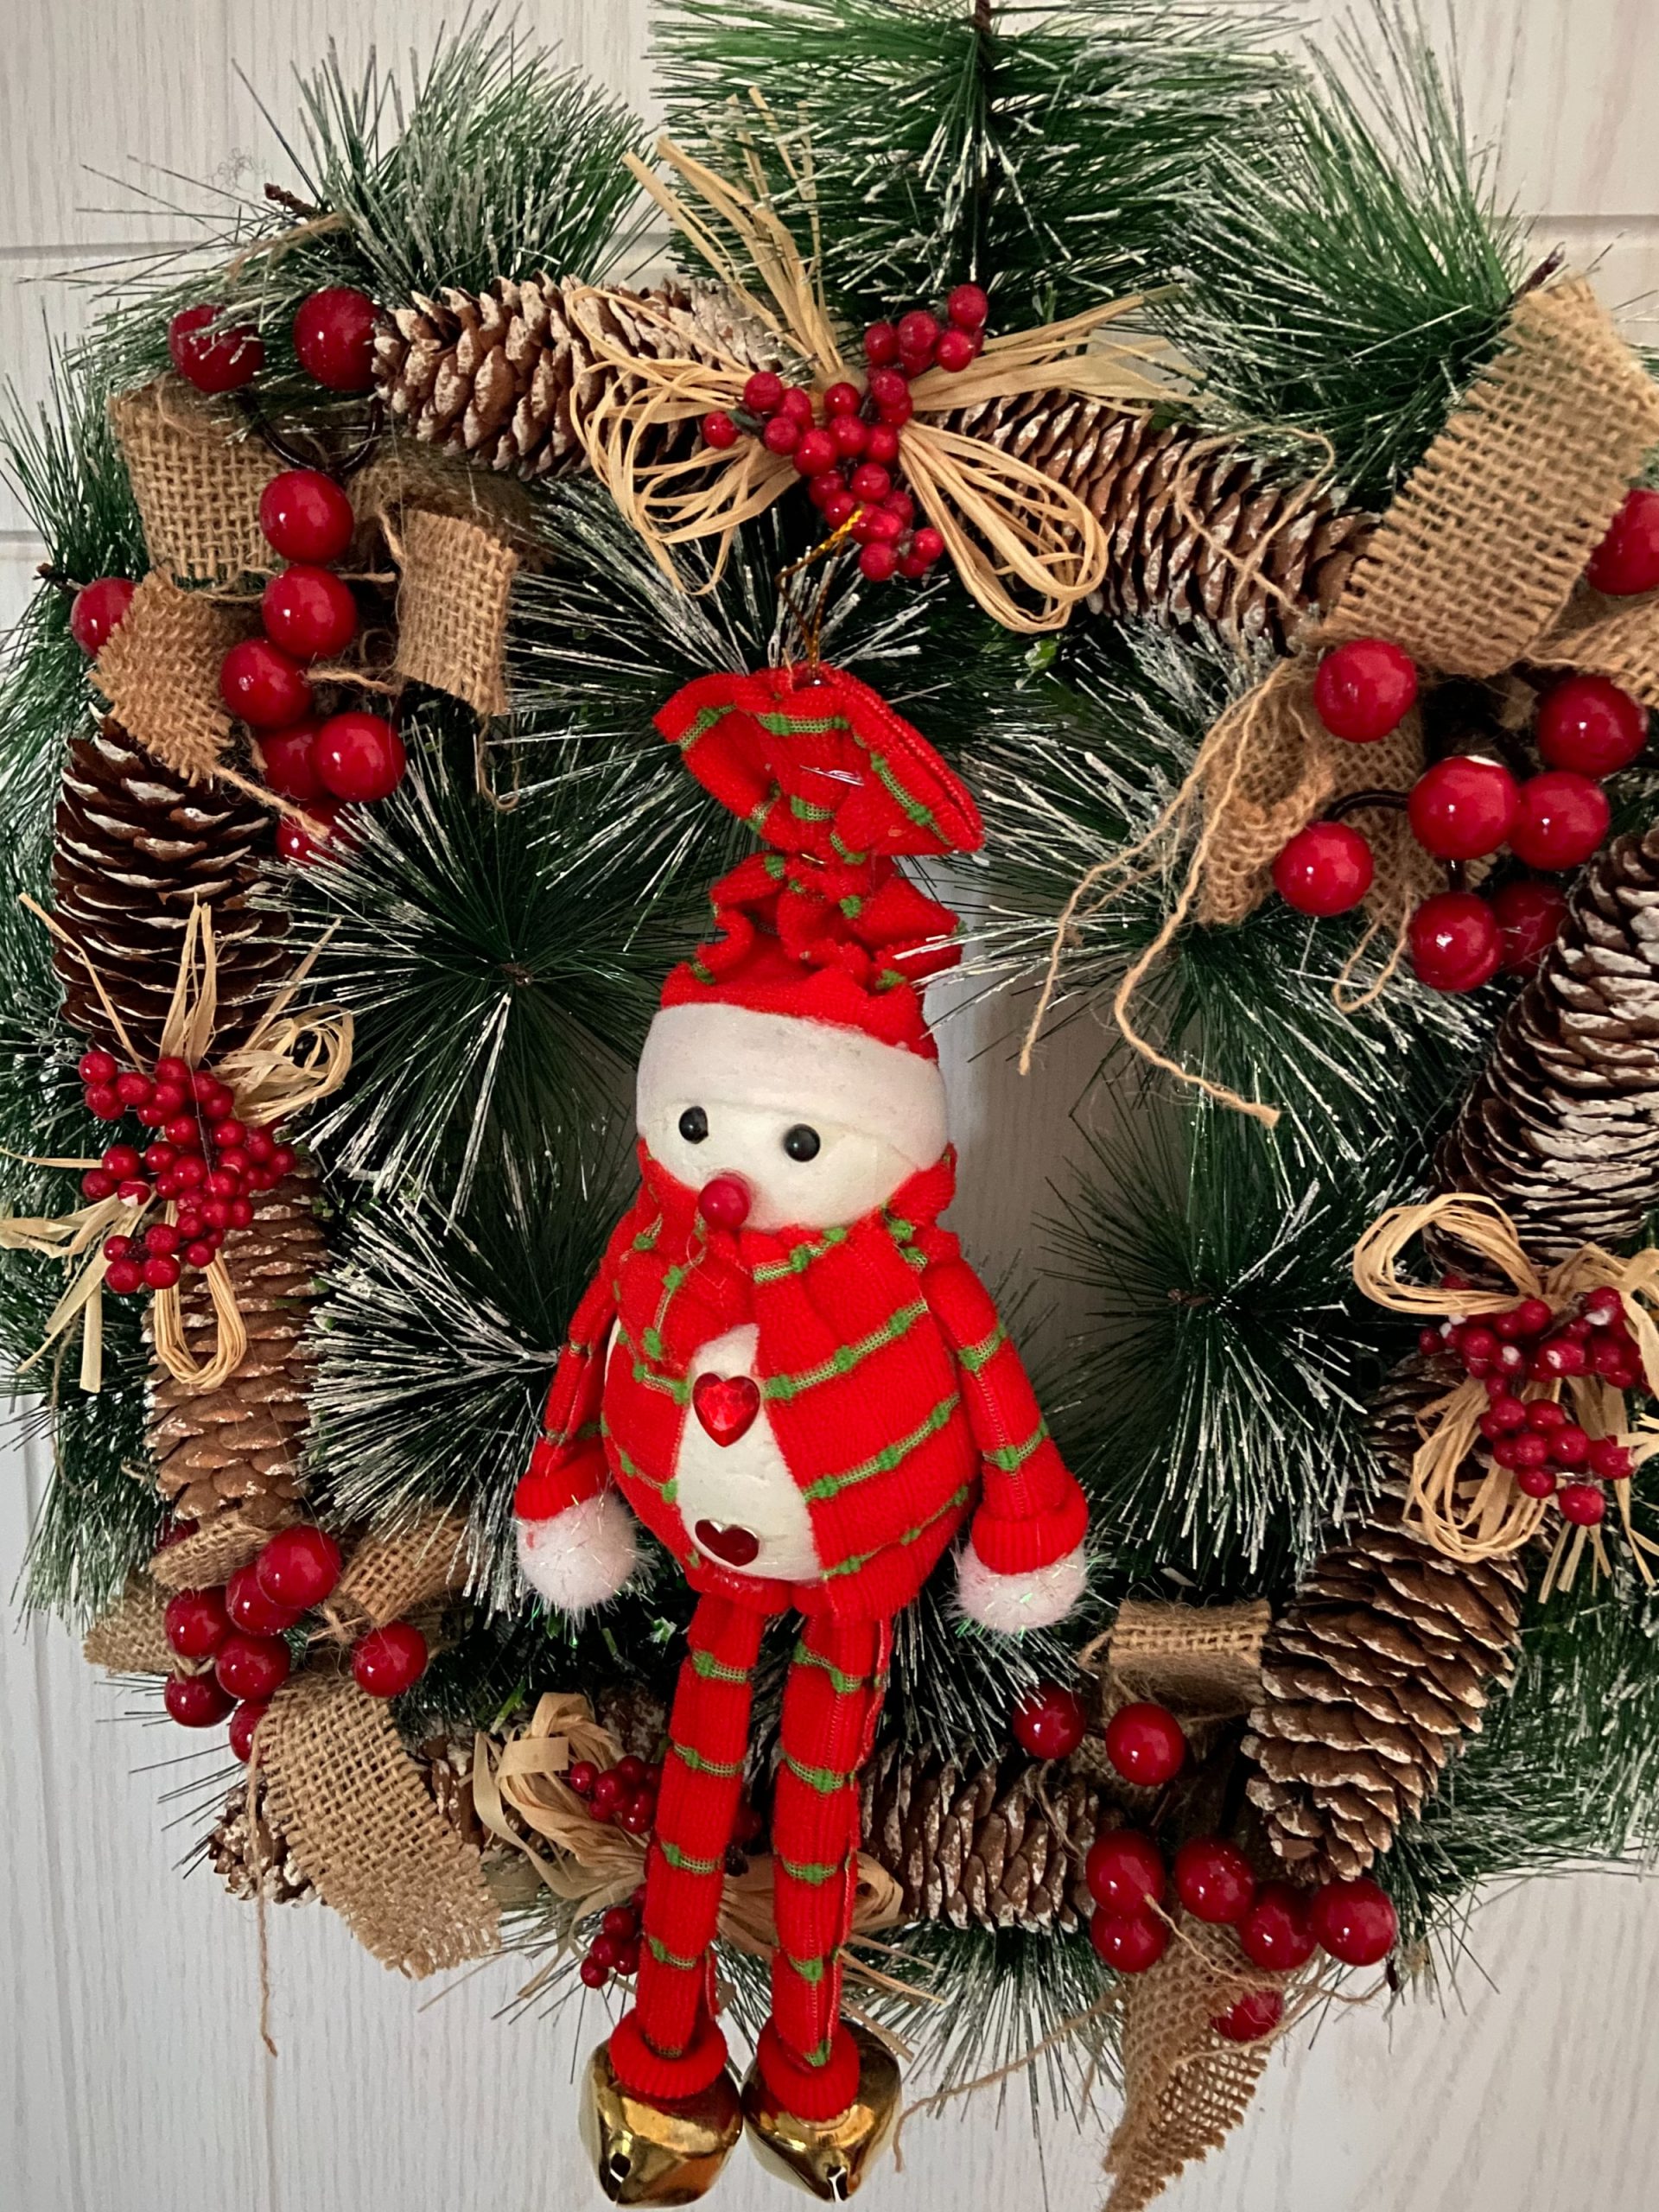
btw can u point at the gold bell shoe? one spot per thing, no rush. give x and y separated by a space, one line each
650 2153
829 2158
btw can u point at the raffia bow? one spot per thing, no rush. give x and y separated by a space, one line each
590 1865
1027 548
1484 1515
287 1062
1475 569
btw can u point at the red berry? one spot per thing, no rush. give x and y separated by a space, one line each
1274 1933
97 609
97 1067
167 1099
1125 1871
133 1089
918 333
838 508
851 434
1506 1414
102 1103
1462 808
306 516
1145 1744
118 1248
1354 1921
1562 819
841 402
816 453
389 1661
1255 2014
603 1949
607 1796
877 564
763 394
308 612
199 1255
899 503
827 485
1581 1505
295 840
161 1273
1131 1942
195 1701
956 349
1529 915
252 1665
121 1160
1213 1880
124 1277
184 1131
1627 559
582 1775
782 434
226 1133
720 431
213 356
1588 724
638 1814
929 545
1603 1308
619 1922
592 1974
1570 1445
195 1622
1535 1482
243 1722
797 406
282 1160
1560 1356
1530 1319
359 756
896 412
880 345
260 683
628 1958
1364 689
1454 942
968 308
871 482
883 445
250 1610
1609 1460
631 1770
334 336
1049 1721
1324 869
299 1566
888 387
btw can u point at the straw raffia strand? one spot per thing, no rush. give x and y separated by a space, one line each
1468 1516
591 1864
1004 522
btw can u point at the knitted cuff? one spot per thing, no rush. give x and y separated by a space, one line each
662 2081
1010 1546
554 1482
813 2093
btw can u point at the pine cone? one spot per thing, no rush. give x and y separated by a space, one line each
1561 1127
237 1447
136 846
490 377
233 1847
981 1849
1380 1666
1188 520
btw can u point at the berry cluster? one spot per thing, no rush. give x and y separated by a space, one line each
1550 1454
1469 807
623 1795
334 341
236 1638
615 1950
310 614
845 442
1279 1927
202 1161
1144 1742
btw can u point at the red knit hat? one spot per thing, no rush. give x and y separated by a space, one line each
823 925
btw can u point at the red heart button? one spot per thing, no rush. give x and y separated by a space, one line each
726 1405
735 1547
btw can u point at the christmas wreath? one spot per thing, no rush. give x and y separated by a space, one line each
1097 476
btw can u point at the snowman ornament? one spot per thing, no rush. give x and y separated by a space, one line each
785 1370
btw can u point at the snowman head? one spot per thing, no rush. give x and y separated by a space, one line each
792 1061
819 1123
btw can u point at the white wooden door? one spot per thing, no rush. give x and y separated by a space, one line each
131 2075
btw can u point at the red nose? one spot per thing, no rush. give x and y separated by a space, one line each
723 1202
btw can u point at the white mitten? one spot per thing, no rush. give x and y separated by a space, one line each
1009 1603
579 1558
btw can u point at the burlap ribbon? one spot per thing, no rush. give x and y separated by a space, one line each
1472 1515
287 1062
588 1864
131 1638
1026 547
1475 568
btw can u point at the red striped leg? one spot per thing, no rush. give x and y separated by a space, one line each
669 2046
831 1704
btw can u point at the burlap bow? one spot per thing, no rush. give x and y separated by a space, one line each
1477 568
1026 547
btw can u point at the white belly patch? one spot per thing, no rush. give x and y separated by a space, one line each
739 1500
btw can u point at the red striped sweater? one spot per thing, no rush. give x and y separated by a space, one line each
896 1398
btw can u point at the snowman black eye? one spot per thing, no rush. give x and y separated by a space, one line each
694 1125
801 1142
